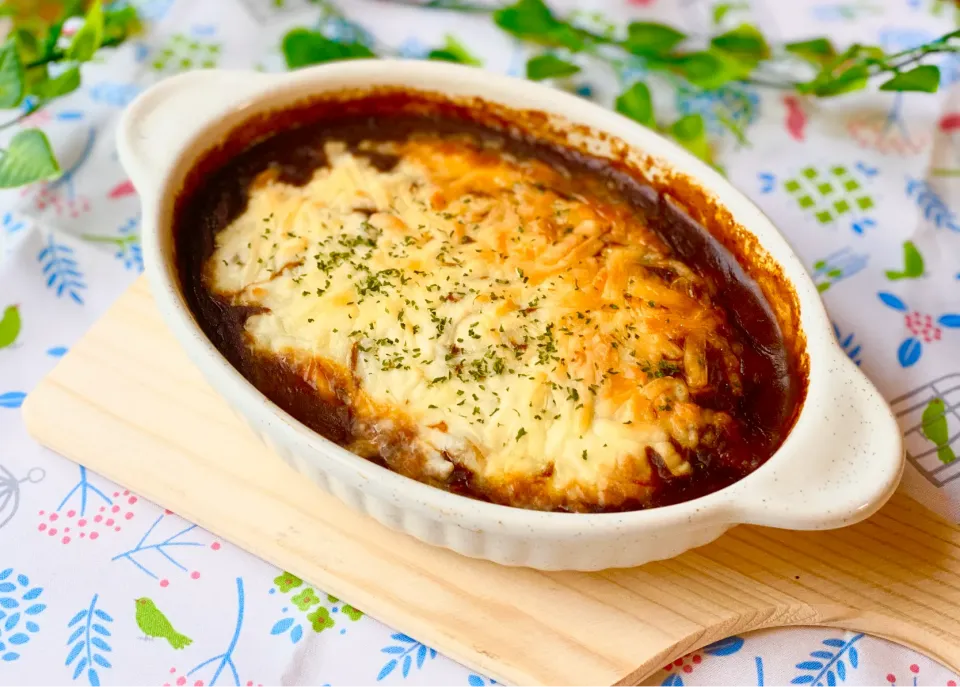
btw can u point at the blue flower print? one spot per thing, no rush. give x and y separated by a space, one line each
922 328
827 666
849 345
403 654
934 208
735 104
475 680
88 642
11 224
61 270
19 611
12 399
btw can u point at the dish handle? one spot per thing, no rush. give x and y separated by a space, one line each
155 127
840 464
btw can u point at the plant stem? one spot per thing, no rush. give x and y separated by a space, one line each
455 5
19 119
776 85
58 55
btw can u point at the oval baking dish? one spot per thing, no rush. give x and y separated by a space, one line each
838 464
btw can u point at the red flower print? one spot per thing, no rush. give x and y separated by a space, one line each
923 326
685 664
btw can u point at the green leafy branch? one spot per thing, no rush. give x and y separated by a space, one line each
741 54
738 55
37 65
304 47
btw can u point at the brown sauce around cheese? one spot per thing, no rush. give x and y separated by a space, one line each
487 310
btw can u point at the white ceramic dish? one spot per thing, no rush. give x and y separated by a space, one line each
841 461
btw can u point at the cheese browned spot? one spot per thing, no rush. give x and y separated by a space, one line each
486 320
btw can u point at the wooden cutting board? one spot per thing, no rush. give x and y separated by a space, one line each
127 403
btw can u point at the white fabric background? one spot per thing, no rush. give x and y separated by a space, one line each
67 249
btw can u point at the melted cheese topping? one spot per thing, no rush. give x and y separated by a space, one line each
485 319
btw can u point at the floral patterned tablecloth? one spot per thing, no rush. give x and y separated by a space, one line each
863 186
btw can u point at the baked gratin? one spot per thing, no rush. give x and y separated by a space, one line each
506 319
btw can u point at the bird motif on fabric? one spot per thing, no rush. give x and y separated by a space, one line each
935 428
153 623
9 326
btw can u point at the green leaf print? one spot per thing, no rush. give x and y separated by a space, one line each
351 612
9 326
286 581
346 609
182 52
912 264
320 619
305 599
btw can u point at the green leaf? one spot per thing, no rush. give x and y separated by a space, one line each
454 51
29 47
34 76
73 8
819 51
526 19
707 69
636 103
871 54
120 23
532 20
744 43
925 79
852 79
48 89
11 74
29 158
722 9
49 46
648 38
549 67
87 40
302 47
691 133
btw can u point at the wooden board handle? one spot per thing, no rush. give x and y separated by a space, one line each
854 474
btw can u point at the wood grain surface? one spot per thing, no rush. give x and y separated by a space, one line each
126 402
